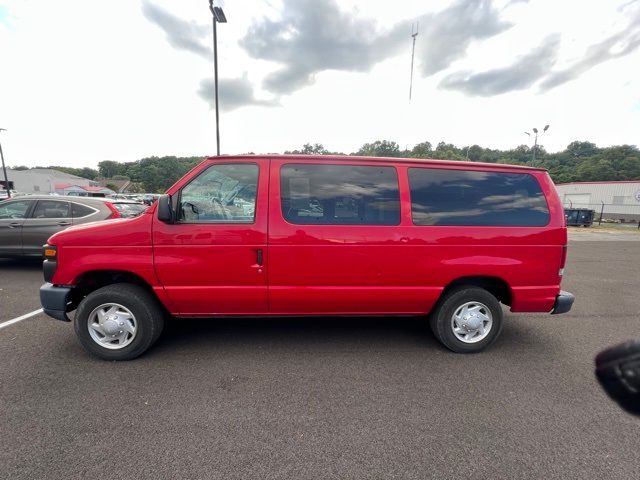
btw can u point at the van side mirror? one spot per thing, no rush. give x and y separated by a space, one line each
165 209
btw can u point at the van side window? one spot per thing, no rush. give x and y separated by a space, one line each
339 195
473 198
223 193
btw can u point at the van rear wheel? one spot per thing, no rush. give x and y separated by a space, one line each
118 322
467 319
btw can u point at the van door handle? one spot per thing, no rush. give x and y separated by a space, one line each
15 225
259 257
64 224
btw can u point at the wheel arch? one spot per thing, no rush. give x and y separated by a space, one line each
92 280
497 286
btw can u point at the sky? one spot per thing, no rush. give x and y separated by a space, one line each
83 81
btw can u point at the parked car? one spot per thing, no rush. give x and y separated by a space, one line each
133 197
304 235
149 198
128 208
4 196
27 222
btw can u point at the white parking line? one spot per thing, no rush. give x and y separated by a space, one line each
19 319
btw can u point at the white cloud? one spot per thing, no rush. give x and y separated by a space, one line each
83 82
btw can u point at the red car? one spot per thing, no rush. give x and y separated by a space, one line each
331 235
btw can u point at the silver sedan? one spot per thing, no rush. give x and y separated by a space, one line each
27 222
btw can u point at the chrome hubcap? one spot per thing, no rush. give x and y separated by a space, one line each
112 326
471 322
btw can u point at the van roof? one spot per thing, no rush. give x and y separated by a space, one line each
346 158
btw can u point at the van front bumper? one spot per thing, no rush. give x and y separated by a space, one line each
564 302
55 301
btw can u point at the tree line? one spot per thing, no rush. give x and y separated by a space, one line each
579 162
152 174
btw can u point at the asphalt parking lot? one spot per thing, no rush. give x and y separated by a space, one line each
325 398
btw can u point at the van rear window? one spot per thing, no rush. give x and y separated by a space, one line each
472 198
340 195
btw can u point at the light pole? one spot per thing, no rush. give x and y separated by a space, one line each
4 169
218 16
535 143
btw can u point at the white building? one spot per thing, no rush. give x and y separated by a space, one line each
45 181
617 200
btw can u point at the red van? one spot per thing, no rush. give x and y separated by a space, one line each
307 235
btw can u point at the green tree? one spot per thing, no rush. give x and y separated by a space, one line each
422 150
474 153
309 149
135 188
109 168
380 148
448 151
85 172
156 174
581 149
90 173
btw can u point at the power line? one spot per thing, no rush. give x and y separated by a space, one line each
413 51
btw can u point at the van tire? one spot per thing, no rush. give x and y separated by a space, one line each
441 318
147 312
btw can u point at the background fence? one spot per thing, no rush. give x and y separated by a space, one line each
609 213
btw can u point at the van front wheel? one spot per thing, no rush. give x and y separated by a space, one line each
118 322
467 319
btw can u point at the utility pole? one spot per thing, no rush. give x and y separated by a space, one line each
4 168
535 142
217 16
413 51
